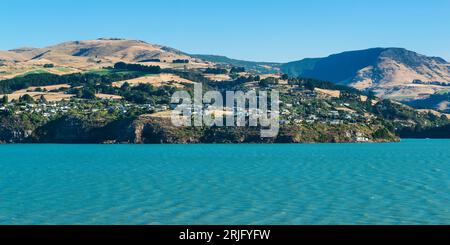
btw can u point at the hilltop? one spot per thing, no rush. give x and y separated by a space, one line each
76 56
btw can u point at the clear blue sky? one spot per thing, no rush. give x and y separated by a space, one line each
262 30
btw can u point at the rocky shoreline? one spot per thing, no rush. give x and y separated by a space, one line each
147 129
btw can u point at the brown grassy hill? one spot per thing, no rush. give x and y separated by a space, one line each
394 73
93 54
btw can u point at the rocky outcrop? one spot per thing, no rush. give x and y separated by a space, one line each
12 130
148 129
154 130
71 129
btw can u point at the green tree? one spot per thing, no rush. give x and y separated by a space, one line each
125 86
237 69
268 81
26 98
42 99
4 100
86 93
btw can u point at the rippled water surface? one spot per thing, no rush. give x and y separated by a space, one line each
398 183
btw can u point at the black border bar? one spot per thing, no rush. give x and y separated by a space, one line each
277 233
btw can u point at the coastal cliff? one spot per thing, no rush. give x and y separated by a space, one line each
147 129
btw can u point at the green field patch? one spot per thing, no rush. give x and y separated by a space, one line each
63 69
445 91
36 71
103 72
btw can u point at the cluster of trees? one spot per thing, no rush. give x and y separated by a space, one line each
150 60
180 61
26 98
137 67
393 112
266 82
236 84
93 79
21 82
86 93
77 79
417 81
211 70
235 69
192 76
146 94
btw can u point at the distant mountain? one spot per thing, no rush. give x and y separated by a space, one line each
336 68
261 67
390 72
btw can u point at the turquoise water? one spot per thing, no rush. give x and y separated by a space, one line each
398 183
